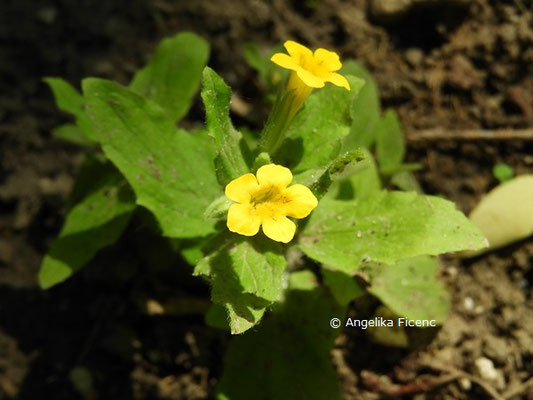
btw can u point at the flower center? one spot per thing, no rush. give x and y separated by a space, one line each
314 66
268 202
268 194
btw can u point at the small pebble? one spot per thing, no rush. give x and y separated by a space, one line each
414 56
452 272
468 303
485 369
153 307
465 384
389 10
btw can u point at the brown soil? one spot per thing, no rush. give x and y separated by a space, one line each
441 65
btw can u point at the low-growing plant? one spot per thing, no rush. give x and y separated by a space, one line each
308 179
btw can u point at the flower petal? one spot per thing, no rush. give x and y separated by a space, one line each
338 80
328 59
285 61
309 79
280 229
241 189
242 220
297 50
275 175
301 201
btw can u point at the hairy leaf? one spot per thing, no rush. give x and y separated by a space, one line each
68 99
390 146
363 181
96 221
314 137
172 76
171 171
387 227
287 356
72 133
405 180
320 180
344 287
365 109
245 276
269 74
216 95
410 288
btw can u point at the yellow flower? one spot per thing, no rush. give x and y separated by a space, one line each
267 200
308 71
313 69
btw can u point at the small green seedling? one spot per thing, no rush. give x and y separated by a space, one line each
503 172
278 222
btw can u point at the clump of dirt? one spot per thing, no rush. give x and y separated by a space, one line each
475 73
438 66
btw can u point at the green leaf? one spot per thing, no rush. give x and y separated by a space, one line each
390 336
97 221
71 133
256 60
69 100
303 280
216 95
388 227
365 109
192 250
287 356
269 74
93 165
405 180
363 182
245 276
261 160
217 317
410 288
170 170
218 209
502 172
319 182
314 137
172 76
344 287
390 147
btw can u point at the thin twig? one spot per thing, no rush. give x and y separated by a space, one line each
481 383
518 389
420 386
439 134
373 382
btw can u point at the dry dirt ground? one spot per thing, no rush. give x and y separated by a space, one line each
446 65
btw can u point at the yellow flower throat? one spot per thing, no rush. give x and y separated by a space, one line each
268 201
